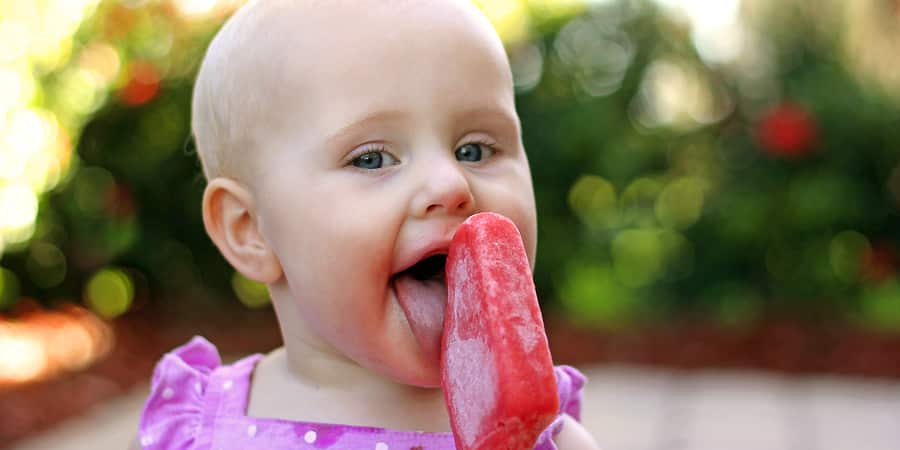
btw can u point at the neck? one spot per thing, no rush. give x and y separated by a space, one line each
308 357
335 389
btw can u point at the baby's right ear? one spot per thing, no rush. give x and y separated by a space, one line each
229 215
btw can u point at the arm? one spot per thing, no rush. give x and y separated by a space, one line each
573 436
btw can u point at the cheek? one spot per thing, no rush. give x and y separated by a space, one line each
525 219
515 200
528 219
332 248
525 211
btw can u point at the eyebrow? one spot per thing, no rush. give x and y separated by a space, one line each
498 116
364 123
493 114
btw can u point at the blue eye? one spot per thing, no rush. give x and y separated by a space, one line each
373 160
472 152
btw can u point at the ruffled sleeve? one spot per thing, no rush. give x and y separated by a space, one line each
569 385
173 414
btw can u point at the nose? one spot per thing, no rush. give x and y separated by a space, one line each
444 190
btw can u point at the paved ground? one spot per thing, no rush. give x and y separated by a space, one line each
628 408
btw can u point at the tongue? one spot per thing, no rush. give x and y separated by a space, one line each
424 303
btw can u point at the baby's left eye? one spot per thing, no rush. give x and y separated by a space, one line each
473 152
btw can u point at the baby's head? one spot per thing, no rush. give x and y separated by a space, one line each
344 142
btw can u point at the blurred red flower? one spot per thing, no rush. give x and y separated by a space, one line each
119 201
879 263
787 130
143 84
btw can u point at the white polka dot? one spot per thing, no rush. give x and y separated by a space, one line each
251 430
381 446
168 393
146 440
198 388
310 437
227 385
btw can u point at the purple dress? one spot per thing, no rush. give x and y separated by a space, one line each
196 403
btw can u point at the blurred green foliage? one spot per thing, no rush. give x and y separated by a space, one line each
674 179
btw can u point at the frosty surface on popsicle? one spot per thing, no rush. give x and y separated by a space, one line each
496 369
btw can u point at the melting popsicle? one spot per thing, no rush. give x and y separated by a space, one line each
496 369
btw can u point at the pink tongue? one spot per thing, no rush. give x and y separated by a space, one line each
424 303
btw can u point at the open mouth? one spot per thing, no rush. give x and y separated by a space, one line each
422 293
430 268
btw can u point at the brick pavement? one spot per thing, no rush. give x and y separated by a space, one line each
631 408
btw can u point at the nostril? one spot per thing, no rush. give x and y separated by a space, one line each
461 206
444 195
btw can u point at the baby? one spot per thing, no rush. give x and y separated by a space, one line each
344 142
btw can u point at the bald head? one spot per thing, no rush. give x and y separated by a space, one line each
271 53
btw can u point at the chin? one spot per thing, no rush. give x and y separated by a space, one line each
432 379
430 382
419 374
429 377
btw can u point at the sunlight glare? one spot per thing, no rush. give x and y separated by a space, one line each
24 357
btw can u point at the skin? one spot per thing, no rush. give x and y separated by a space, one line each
424 87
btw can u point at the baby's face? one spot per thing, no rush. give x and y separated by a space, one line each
396 126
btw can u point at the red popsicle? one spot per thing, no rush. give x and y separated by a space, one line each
496 369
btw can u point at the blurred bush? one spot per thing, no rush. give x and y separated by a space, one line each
721 160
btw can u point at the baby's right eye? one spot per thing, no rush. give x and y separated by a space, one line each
373 160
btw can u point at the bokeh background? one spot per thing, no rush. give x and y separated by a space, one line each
718 184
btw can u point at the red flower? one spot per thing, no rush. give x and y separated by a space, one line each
788 130
119 201
879 263
143 84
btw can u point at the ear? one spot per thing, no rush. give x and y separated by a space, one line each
229 216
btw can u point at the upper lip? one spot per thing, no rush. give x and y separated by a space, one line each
436 247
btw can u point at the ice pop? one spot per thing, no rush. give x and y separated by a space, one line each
496 369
